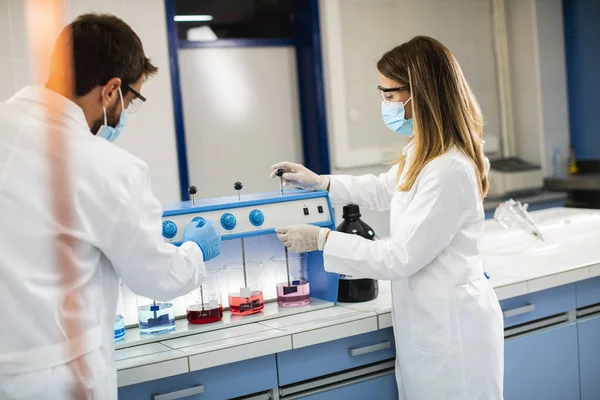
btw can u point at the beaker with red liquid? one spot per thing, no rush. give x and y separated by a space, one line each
244 282
203 305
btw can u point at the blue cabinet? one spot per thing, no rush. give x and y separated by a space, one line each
542 365
537 305
589 357
382 387
331 357
223 382
588 292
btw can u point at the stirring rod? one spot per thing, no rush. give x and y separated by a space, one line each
287 266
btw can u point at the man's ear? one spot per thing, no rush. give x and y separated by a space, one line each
110 91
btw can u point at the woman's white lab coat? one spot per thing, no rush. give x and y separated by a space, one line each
116 229
446 316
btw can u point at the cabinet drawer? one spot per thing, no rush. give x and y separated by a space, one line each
537 305
542 365
589 357
588 292
383 387
326 358
223 382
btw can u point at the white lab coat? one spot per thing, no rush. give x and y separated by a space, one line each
447 321
116 228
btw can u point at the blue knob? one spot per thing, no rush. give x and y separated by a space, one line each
169 229
201 221
228 221
257 218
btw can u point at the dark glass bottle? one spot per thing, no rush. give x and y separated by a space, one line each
356 290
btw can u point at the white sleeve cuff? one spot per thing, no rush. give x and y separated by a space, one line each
322 238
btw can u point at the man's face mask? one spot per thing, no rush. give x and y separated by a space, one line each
114 121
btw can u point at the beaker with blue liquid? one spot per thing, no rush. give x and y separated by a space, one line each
155 316
119 325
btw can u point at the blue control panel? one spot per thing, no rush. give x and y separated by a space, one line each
250 215
256 215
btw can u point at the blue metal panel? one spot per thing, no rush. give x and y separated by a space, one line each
326 358
588 292
307 39
229 202
223 382
323 284
542 365
582 52
383 387
589 358
263 232
184 179
547 303
185 44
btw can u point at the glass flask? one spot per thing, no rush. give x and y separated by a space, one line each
203 305
154 316
293 289
119 325
244 287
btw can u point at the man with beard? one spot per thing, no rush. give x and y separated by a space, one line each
77 213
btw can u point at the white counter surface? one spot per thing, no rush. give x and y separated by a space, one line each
516 263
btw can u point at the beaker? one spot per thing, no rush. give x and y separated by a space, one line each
119 324
244 287
293 289
203 305
154 316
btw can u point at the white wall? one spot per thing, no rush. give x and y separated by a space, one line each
538 72
553 81
239 120
150 134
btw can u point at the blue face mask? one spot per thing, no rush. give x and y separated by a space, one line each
393 116
108 132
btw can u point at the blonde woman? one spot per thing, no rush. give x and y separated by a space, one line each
447 320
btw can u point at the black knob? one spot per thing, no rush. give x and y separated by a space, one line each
192 190
238 186
280 172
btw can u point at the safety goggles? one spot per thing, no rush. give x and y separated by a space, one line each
137 102
391 95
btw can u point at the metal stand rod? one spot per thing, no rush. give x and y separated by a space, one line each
287 266
202 297
244 263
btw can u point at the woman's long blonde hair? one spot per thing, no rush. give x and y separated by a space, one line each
445 111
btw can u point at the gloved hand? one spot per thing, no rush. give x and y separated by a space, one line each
303 238
300 176
205 235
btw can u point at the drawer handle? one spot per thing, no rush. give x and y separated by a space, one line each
359 351
518 311
180 394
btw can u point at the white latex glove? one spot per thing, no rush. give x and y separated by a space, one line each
300 176
303 238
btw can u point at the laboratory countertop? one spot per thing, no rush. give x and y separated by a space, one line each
575 182
535 198
517 264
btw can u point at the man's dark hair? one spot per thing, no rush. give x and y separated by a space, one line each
103 47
